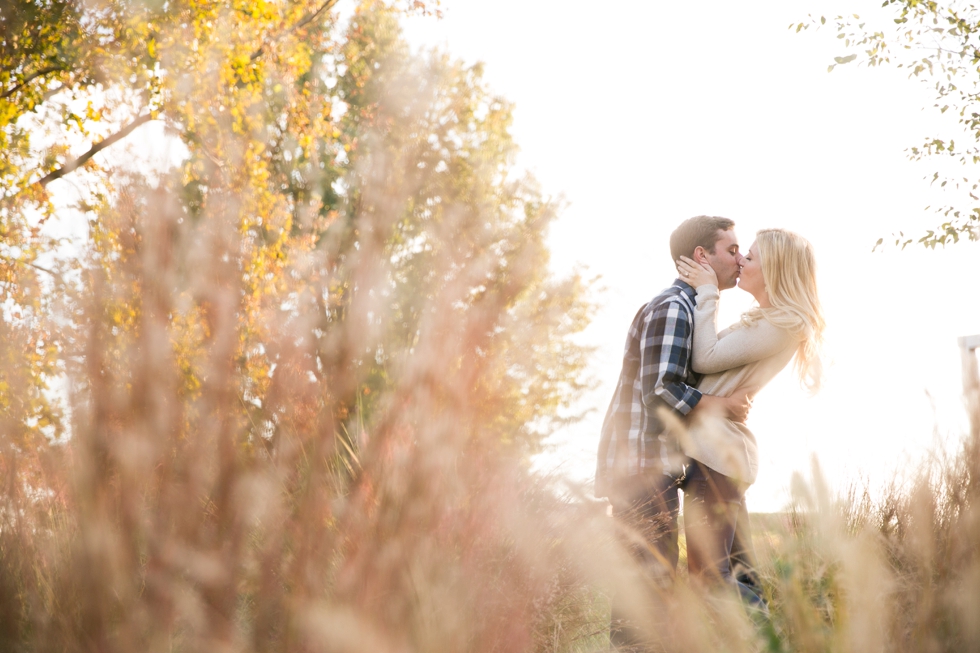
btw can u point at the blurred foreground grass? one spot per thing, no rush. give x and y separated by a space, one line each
850 571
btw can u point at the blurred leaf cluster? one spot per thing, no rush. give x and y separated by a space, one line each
936 42
287 114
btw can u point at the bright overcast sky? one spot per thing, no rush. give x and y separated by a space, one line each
642 114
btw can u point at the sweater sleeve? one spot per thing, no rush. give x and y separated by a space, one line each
736 347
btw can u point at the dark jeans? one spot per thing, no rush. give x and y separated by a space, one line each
719 544
648 512
719 539
742 559
712 503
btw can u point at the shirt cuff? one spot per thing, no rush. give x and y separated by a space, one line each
693 401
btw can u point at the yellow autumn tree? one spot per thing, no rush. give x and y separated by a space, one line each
303 369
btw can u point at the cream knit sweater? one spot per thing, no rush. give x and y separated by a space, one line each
739 357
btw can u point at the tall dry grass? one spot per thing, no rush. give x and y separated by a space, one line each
186 513
896 571
168 522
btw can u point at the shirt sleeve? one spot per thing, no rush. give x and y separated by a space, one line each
665 358
738 346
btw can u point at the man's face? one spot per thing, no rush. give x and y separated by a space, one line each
724 259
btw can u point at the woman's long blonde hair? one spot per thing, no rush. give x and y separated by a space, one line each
790 273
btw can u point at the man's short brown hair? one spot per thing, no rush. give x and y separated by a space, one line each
699 231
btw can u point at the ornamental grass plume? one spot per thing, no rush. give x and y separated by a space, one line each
895 572
172 520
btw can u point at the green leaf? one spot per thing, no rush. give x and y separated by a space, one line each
848 58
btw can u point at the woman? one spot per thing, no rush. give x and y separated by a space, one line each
779 272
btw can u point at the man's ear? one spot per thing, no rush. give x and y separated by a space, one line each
700 255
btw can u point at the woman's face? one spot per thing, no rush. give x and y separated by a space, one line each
750 276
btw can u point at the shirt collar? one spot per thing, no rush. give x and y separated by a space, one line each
686 288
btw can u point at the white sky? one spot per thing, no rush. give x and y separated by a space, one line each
642 114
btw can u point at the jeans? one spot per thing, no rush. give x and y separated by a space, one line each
648 510
742 558
715 520
712 503
719 545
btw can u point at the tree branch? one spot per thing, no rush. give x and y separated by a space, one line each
14 261
31 78
38 267
300 25
303 23
95 149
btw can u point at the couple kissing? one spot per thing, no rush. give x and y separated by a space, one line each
676 421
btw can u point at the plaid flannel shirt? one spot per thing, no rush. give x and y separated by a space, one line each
656 372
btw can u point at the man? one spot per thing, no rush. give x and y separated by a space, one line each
640 466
